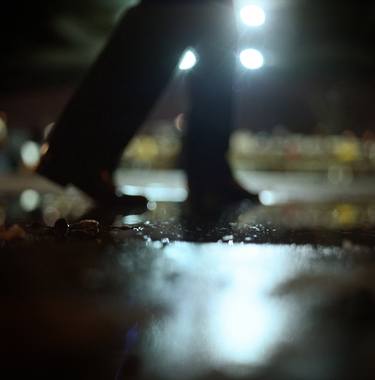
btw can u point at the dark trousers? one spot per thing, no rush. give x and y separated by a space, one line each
132 71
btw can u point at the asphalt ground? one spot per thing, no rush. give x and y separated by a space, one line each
281 290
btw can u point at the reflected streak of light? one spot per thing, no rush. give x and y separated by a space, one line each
243 326
242 321
165 194
157 193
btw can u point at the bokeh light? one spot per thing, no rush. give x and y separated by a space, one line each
252 59
188 60
50 215
346 215
30 154
29 200
253 15
152 206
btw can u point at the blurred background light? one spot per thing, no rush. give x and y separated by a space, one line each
30 200
50 215
253 15
252 59
30 154
152 206
188 60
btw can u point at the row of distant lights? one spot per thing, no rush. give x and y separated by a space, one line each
251 59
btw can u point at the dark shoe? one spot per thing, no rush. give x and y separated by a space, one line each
218 194
99 186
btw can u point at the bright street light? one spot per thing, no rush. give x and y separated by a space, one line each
252 59
253 15
188 60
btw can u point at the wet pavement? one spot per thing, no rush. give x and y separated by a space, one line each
283 290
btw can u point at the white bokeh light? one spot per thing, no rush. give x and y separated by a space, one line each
29 200
252 59
30 154
188 60
253 15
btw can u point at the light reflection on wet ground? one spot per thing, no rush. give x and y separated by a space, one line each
269 292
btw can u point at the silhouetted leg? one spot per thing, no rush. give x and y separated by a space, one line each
210 118
121 88
128 78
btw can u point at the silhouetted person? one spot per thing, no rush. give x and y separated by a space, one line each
123 86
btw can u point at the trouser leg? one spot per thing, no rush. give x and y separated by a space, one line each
121 88
210 117
131 73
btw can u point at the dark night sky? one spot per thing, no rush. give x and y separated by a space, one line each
312 44
303 33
